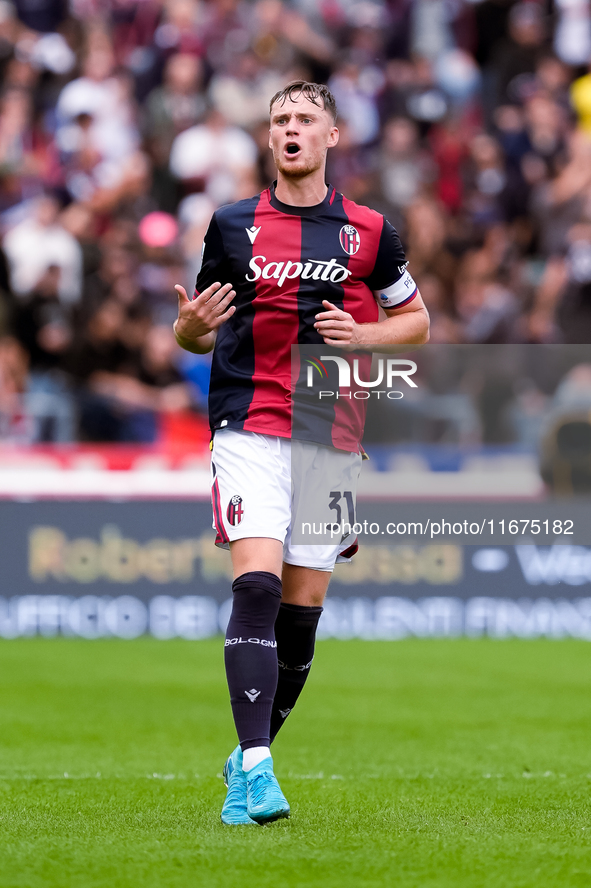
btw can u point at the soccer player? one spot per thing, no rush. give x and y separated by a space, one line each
297 264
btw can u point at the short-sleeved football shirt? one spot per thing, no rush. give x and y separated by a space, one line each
283 261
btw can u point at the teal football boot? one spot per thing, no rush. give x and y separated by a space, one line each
234 811
265 801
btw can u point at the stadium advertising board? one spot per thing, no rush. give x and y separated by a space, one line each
101 568
473 511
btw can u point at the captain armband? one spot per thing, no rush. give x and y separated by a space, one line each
398 293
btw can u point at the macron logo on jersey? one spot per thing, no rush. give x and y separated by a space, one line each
252 233
313 269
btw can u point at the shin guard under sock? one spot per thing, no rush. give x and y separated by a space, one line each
295 633
250 654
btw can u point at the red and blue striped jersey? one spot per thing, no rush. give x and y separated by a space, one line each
283 261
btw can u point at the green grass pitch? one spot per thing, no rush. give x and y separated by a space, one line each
415 763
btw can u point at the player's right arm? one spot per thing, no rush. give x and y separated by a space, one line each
199 318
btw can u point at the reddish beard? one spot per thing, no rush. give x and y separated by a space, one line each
296 171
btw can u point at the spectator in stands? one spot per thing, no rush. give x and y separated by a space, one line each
242 92
15 129
405 168
581 100
126 389
15 424
41 241
562 201
177 104
97 132
161 108
216 158
42 323
572 35
516 56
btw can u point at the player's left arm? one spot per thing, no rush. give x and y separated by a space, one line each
407 325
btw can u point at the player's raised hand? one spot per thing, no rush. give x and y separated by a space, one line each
203 315
336 326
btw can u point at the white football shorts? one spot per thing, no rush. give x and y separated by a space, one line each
253 494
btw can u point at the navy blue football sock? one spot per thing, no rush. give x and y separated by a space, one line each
295 633
250 655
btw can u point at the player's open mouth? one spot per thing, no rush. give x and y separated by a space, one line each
292 148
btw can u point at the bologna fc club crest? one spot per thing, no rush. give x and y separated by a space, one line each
349 238
235 511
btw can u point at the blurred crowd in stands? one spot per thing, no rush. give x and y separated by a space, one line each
125 123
